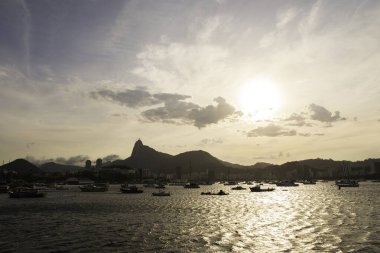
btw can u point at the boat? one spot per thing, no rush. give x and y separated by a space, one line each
257 188
238 188
25 192
230 183
347 183
59 187
99 187
220 193
309 181
286 183
160 186
125 188
191 185
161 193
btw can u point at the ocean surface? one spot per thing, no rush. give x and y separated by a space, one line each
308 218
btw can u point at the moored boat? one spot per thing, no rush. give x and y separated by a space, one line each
125 188
238 188
286 183
191 185
306 182
25 192
160 186
347 183
161 193
257 188
220 193
230 183
99 187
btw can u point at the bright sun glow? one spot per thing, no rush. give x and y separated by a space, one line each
260 99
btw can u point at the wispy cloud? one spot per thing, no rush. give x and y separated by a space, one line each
131 98
207 141
271 130
110 158
285 17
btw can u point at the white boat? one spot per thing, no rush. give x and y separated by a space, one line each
161 193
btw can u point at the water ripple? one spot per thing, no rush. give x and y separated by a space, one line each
316 218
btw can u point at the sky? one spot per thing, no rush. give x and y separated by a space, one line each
247 81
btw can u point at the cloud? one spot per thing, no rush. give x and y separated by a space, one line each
298 120
73 160
321 114
110 158
212 114
271 130
211 141
272 156
79 159
131 98
174 110
181 112
286 17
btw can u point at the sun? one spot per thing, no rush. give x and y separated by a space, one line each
260 99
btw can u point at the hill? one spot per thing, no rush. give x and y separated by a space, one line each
22 166
148 158
52 167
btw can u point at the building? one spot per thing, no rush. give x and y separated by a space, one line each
88 165
99 164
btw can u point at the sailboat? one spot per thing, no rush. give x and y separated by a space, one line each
347 182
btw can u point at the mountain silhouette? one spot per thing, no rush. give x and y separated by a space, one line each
52 167
199 161
148 158
22 166
202 163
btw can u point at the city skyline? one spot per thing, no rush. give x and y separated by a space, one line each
246 81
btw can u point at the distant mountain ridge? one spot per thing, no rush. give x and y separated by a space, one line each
201 162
